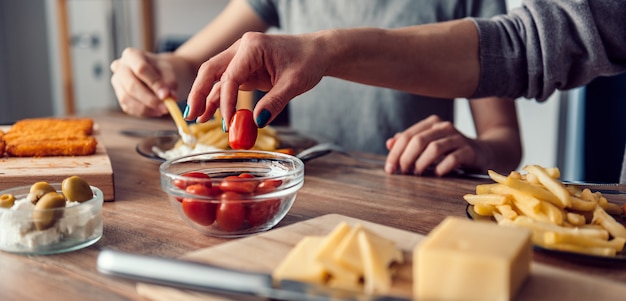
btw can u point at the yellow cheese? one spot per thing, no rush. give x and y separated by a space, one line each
469 260
347 252
300 263
376 273
348 279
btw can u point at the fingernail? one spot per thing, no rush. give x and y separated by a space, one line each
186 112
162 93
223 125
263 118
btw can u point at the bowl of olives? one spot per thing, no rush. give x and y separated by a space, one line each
232 193
49 218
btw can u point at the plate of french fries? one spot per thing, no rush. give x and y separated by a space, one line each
563 218
210 137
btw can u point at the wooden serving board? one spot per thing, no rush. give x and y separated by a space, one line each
261 253
95 169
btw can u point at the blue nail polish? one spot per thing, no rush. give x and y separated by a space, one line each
186 113
263 118
223 125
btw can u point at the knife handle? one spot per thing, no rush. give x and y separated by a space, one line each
180 273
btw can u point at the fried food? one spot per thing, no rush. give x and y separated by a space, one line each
1 143
44 137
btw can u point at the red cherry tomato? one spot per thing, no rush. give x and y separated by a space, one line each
199 211
261 212
182 184
242 132
231 212
238 185
267 186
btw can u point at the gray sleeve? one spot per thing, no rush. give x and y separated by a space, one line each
266 9
550 44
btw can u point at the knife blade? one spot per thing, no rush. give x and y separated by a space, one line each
213 279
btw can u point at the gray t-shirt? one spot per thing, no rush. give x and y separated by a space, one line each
551 44
361 117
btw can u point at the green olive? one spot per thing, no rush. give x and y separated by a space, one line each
7 200
45 218
38 190
76 189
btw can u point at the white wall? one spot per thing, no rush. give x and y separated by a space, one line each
184 18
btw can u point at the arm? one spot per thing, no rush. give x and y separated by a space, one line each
441 60
288 65
141 80
435 143
498 135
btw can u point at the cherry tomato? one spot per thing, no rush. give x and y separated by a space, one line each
237 184
199 211
231 212
182 184
261 212
243 131
267 186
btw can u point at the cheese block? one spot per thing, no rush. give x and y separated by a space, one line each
470 260
300 263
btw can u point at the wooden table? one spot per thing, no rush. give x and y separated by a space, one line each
140 220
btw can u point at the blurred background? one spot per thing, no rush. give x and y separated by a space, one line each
55 56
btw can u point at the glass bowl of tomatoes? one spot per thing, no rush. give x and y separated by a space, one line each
232 193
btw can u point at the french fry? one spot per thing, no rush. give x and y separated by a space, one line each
550 184
561 217
559 237
490 199
484 209
575 219
601 217
507 211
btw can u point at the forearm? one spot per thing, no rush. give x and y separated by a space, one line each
497 130
435 60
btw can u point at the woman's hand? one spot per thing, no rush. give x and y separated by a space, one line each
142 80
284 66
433 142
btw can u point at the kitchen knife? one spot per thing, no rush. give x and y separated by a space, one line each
209 278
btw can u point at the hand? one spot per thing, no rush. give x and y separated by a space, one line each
432 141
253 62
142 80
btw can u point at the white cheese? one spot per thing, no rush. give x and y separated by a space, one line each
21 234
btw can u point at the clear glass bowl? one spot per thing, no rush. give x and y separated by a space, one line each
78 225
227 204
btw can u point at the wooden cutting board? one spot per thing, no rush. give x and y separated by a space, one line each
261 253
95 169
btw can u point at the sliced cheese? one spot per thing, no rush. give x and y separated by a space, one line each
348 279
300 263
347 252
470 260
377 276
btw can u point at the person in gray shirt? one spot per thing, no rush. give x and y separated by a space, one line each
530 52
416 131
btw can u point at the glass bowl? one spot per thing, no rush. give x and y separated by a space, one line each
75 226
232 193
